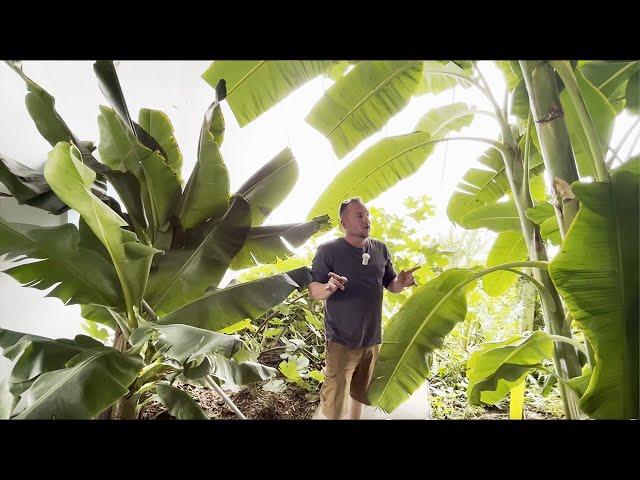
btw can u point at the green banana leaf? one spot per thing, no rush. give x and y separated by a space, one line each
207 192
497 367
81 275
91 382
89 241
511 71
446 119
41 108
632 94
228 372
439 76
508 247
481 187
581 383
28 186
363 101
378 169
99 314
611 78
180 276
33 355
220 308
416 330
254 86
7 400
596 273
110 86
602 115
498 217
234 374
267 244
70 180
543 214
179 403
269 186
158 125
120 149
392 159
338 70
183 343
520 101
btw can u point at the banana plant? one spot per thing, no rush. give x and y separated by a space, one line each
148 264
587 105
605 221
508 194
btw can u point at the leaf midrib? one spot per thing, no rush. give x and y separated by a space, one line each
188 262
493 217
384 164
106 241
227 289
251 188
246 76
620 278
279 232
411 342
616 74
384 82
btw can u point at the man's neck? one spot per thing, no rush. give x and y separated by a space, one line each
358 242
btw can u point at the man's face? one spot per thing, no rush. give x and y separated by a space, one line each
355 220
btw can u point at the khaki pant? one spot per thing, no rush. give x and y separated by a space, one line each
347 372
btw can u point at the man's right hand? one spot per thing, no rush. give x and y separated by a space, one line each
335 282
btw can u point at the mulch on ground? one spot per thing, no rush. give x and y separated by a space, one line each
294 403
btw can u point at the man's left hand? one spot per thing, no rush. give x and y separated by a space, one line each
405 278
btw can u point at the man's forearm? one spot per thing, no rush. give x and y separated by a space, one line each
317 291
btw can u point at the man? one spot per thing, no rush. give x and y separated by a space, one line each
349 273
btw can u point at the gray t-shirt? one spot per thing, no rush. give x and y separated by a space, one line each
353 317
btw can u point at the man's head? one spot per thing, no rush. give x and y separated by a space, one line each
354 218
